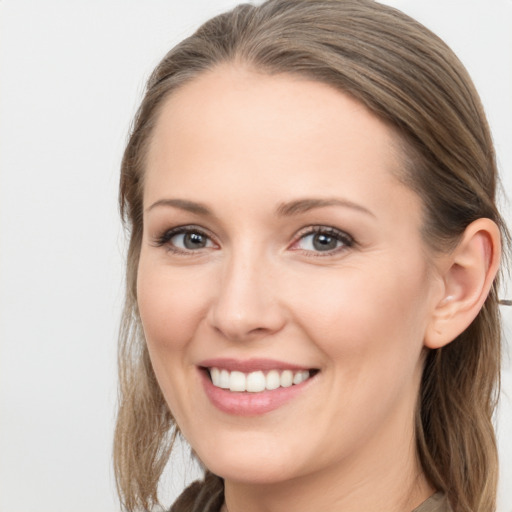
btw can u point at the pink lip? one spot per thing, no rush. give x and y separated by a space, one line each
245 403
250 365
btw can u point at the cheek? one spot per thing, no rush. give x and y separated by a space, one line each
370 328
171 305
171 309
365 315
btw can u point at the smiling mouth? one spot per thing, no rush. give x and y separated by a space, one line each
257 381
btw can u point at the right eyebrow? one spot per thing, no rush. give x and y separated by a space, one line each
182 204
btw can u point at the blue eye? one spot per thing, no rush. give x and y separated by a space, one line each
323 239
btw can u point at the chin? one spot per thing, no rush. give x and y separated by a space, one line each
255 474
251 466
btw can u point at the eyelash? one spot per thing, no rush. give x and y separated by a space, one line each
346 241
167 236
343 238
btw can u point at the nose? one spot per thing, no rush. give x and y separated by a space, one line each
246 304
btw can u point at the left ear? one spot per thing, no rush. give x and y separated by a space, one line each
467 274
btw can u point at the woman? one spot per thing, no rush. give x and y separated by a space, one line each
312 293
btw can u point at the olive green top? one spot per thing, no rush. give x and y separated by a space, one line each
208 496
436 503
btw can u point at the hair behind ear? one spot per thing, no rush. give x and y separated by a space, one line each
460 383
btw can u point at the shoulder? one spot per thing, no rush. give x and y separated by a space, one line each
436 503
205 495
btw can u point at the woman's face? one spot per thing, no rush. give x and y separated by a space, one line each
279 246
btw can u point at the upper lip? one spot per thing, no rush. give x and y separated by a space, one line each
250 365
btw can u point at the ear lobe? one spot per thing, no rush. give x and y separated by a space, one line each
467 273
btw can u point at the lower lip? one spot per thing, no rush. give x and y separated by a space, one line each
250 404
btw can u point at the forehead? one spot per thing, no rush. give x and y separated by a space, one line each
229 98
233 130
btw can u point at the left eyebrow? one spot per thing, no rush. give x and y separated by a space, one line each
304 205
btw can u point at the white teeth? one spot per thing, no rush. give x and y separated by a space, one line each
257 381
215 375
300 377
224 379
273 380
237 381
286 379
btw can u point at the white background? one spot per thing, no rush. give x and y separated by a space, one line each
72 74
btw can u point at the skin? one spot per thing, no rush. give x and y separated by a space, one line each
242 144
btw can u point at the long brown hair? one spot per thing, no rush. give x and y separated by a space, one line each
408 77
